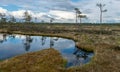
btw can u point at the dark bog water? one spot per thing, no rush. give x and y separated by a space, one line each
13 45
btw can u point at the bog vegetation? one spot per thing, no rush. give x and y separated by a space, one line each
104 40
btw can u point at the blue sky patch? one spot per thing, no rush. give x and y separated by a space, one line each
11 7
75 0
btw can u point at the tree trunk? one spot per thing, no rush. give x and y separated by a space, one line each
76 17
100 15
80 20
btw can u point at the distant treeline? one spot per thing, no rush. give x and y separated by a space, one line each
66 23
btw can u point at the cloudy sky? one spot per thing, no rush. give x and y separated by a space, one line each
61 10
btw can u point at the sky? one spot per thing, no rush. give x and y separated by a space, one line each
62 10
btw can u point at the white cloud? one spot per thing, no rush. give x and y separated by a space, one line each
3 10
17 14
57 14
62 14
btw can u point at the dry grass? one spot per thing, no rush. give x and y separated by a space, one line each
104 40
48 60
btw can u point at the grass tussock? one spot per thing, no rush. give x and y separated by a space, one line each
42 61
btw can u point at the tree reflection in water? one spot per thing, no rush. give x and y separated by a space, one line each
52 41
43 39
3 38
12 36
80 56
28 41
